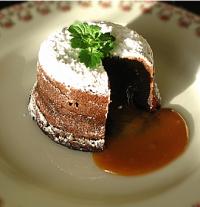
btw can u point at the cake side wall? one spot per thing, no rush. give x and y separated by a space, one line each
68 99
79 125
59 136
87 119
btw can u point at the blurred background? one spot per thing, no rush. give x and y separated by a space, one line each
192 6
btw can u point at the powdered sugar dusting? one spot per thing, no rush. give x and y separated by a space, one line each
129 44
61 62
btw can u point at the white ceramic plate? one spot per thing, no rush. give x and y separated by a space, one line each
34 171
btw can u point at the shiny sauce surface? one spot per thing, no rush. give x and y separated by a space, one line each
140 142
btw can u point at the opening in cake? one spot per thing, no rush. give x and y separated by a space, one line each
129 82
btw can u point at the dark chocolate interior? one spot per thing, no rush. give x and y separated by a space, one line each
130 86
129 82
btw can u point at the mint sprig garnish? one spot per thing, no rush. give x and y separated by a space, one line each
93 44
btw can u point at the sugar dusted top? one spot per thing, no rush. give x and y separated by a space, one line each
61 62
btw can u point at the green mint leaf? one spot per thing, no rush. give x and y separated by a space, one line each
75 29
78 43
106 37
90 58
93 44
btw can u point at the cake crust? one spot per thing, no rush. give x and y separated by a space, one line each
69 99
60 136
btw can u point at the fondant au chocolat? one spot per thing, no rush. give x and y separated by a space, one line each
70 102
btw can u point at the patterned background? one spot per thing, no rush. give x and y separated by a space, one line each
193 6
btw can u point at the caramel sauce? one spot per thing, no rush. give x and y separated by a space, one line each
140 142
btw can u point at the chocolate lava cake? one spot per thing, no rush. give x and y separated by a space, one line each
70 102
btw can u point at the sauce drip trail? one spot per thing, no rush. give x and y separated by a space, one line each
140 142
